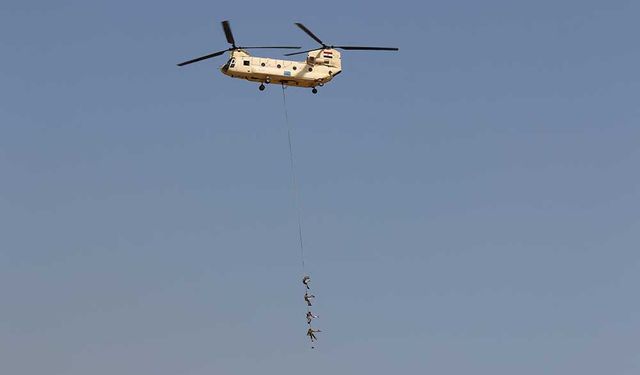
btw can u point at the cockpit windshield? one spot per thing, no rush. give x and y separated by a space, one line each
230 64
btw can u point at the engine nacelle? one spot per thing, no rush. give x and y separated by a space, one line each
326 57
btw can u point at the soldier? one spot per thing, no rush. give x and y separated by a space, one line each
307 298
305 281
310 317
310 333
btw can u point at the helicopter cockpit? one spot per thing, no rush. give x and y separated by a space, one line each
229 64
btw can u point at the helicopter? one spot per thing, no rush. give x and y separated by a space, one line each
320 67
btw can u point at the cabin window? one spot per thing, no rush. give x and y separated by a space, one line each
279 66
311 69
246 62
262 64
295 67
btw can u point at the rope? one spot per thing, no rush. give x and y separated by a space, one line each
296 194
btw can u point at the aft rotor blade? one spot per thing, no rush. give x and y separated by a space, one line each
300 53
227 32
203 58
272 47
304 28
356 48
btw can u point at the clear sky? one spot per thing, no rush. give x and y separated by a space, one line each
471 204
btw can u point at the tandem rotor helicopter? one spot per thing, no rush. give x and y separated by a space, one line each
321 65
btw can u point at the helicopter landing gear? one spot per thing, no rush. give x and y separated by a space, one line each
314 90
261 87
320 84
268 80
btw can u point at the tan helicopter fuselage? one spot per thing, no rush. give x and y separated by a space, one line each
319 68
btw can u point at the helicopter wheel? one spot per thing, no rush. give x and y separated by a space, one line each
320 84
268 80
314 90
261 87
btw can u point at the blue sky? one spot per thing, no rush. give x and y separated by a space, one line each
470 204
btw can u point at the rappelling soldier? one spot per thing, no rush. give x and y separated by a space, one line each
308 297
310 317
306 280
311 333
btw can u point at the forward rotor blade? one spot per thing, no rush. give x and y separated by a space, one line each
356 48
304 28
227 32
273 47
203 58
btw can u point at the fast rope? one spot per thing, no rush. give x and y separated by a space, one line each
296 196
294 181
